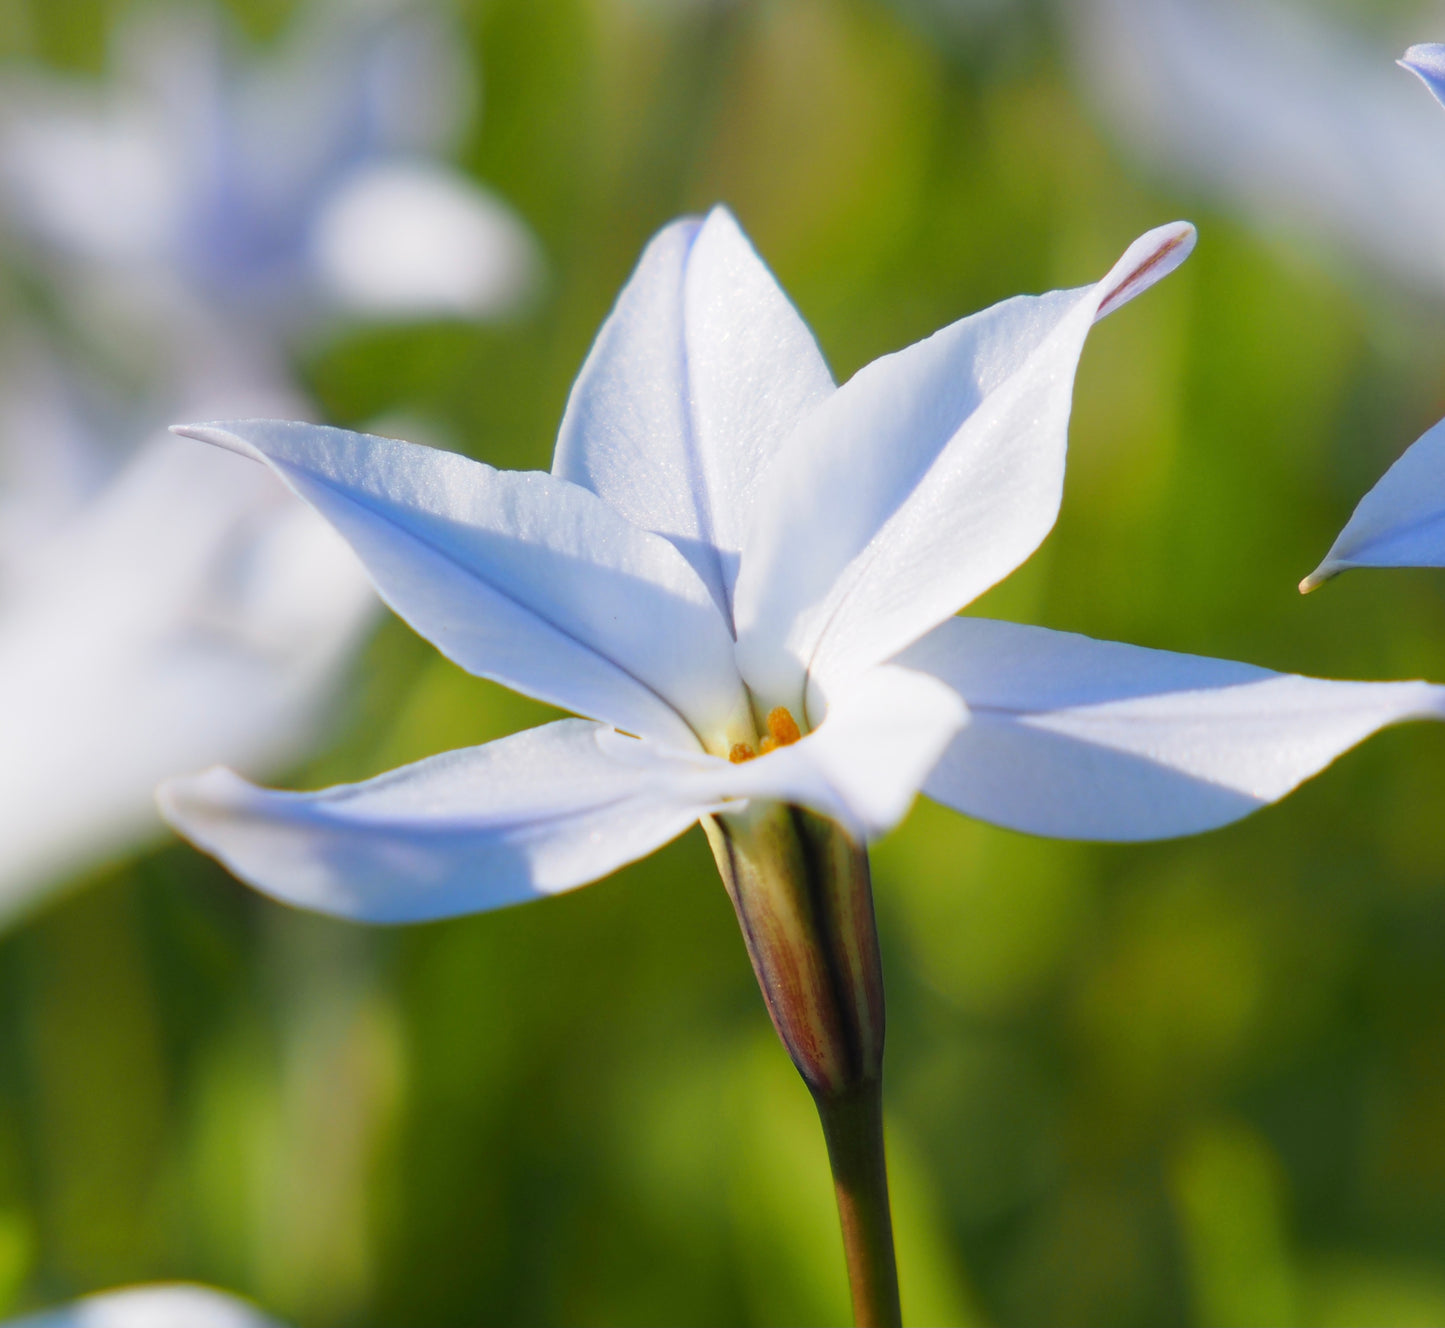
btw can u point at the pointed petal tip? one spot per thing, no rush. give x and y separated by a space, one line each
240 435
197 431
217 434
1151 258
719 209
1427 62
1422 55
721 218
1177 232
191 804
178 793
1433 701
208 429
1326 571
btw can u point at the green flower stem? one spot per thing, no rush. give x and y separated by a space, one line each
853 1126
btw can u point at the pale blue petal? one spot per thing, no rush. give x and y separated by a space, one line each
552 808
1428 61
517 576
1401 521
529 815
697 377
1085 739
930 475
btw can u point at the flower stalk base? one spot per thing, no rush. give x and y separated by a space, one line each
804 899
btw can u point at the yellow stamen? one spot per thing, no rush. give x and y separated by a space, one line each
768 744
741 752
782 728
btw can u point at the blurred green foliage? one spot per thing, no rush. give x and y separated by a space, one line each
1200 1081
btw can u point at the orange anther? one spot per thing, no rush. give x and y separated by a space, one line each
741 752
768 744
782 727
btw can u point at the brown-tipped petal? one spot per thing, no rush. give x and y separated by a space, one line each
927 477
1151 258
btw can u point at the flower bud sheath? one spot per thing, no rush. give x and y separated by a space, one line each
804 900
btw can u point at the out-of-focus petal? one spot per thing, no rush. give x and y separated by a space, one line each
863 766
1087 739
251 189
375 76
529 815
1428 61
176 1305
92 179
931 474
194 612
1299 124
51 457
412 239
519 577
1401 521
695 380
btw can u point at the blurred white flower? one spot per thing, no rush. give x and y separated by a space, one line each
164 608
1294 120
156 609
754 573
175 1305
271 191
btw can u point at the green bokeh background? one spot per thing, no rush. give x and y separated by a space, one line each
1194 1082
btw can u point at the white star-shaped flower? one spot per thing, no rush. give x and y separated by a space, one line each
745 579
270 191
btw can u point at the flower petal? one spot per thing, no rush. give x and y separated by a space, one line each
864 764
529 815
1085 739
698 375
1427 60
1401 521
192 612
93 181
165 1305
930 475
412 239
519 577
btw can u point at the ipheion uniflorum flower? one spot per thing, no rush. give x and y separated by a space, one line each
745 577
